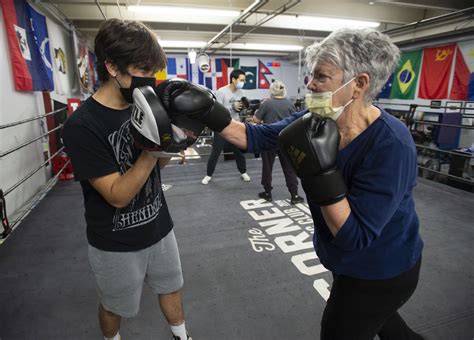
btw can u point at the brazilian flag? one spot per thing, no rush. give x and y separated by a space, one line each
406 75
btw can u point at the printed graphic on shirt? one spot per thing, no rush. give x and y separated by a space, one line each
145 206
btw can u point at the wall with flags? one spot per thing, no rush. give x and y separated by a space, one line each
443 73
21 74
260 73
434 73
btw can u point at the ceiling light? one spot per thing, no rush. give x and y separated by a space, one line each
317 23
182 43
192 56
183 11
264 47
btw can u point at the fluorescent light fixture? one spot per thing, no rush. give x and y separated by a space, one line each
317 23
183 11
420 4
264 47
182 43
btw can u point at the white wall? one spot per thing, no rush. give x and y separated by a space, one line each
19 105
287 72
14 106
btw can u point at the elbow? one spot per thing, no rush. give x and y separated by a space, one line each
118 203
116 200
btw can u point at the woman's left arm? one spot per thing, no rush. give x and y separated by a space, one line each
256 138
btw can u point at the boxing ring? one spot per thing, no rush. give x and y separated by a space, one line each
9 226
248 274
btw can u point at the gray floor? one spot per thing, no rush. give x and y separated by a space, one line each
231 291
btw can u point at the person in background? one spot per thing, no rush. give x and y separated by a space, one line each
358 168
230 96
129 227
272 110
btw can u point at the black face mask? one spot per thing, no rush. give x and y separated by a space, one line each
127 93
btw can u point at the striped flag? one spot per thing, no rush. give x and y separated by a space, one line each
28 41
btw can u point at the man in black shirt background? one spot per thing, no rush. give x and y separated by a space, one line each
129 228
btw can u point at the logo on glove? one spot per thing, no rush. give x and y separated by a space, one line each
297 156
165 138
137 116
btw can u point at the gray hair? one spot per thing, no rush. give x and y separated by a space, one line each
357 51
278 89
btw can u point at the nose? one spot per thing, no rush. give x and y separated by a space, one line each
311 84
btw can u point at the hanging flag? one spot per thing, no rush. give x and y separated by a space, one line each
435 72
385 91
461 78
250 73
406 75
200 76
226 68
263 71
177 68
28 41
160 76
214 79
82 68
218 75
466 49
194 74
41 38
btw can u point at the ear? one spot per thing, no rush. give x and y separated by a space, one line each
362 82
111 68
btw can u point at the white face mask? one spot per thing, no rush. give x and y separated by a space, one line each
240 85
321 103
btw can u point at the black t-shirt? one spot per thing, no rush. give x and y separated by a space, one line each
98 141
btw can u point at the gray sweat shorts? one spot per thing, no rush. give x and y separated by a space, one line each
120 275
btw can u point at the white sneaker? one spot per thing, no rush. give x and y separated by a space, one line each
207 179
245 177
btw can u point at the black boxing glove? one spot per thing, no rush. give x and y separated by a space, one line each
310 144
151 128
245 102
182 98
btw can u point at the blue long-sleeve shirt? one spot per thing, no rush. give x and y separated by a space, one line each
380 239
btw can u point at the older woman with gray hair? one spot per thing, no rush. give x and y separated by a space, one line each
272 110
357 166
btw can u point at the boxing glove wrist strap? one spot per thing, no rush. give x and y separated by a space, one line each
325 189
215 121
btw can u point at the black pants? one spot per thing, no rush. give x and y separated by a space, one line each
360 309
217 147
268 158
